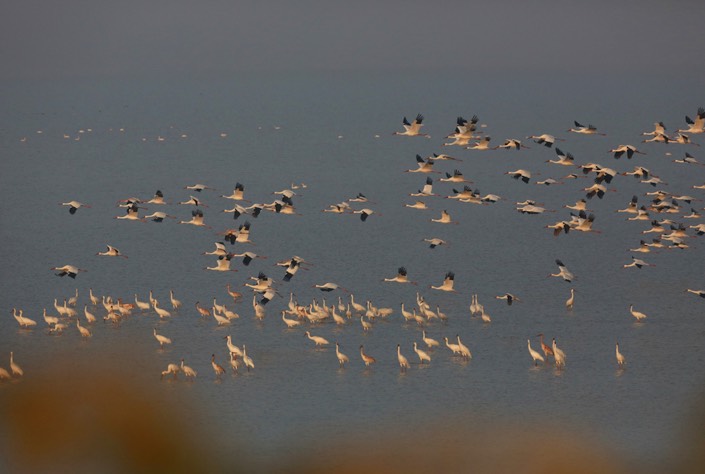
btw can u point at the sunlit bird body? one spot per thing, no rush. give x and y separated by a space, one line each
74 206
83 330
620 358
196 219
342 358
512 144
15 369
630 150
413 129
112 252
403 361
482 144
637 314
217 368
249 363
464 351
534 354
454 348
188 371
523 175
585 130
366 358
544 139
638 263
69 270
161 339
401 276
444 219
697 125
558 355
423 166
547 350
571 300
563 272
447 284
317 340
700 293
171 369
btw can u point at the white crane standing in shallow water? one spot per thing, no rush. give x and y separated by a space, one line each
454 348
162 313
318 340
172 369
84 331
249 364
571 300
534 354
423 355
429 341
188 371
14 368
620 358
558 355
161 339
342 358
637 314
464 351
403 361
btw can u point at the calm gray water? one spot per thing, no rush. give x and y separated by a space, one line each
322 131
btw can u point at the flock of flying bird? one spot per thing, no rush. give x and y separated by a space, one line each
671 233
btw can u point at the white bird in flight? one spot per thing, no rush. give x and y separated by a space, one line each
563 272
413 129
112 252
585 130
74 206
69 270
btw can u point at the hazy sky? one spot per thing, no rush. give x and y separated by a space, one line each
94 38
